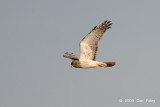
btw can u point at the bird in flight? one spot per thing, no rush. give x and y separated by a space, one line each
88 49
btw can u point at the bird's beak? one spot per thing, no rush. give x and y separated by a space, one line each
71 66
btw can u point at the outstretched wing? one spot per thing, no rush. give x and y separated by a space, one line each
70 56
89 44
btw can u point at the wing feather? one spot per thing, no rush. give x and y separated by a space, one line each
89 44
70 56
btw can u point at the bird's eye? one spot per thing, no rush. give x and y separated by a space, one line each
76 62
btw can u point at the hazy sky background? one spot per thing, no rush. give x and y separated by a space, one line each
34 34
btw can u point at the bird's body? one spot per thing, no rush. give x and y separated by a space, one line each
88 49
87 63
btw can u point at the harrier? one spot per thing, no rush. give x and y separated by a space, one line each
88 49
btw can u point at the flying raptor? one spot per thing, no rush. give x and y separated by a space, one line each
88 49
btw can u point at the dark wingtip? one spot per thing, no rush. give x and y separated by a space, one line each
105 21
65 54
109 24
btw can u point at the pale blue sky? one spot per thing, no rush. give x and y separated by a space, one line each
34 34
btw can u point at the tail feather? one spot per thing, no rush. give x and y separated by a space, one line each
110 64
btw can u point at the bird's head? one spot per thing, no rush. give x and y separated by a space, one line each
75 63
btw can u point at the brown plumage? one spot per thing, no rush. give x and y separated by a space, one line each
88 49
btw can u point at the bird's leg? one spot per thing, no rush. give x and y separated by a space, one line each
102 65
